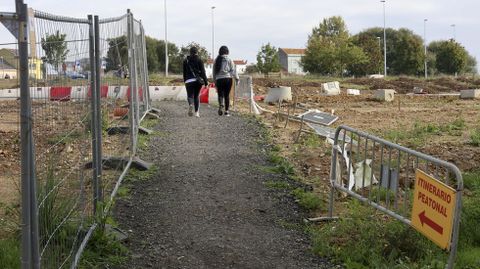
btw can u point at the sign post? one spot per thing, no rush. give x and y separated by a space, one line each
433 209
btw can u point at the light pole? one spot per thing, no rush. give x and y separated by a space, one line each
166 41
384 42
454 34
380 50
425 44
213 35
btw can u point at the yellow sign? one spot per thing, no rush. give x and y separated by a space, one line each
433 209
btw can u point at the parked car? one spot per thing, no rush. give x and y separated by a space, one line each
75 75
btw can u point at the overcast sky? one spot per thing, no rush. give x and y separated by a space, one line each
244 25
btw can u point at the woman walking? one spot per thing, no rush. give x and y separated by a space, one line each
194 77
223 73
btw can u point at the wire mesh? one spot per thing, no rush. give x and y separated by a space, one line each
10 189
70 62
115 73
59 79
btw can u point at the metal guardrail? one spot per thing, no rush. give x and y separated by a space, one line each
382 175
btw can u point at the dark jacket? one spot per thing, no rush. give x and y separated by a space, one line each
197 66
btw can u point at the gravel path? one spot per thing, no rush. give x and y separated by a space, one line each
208 206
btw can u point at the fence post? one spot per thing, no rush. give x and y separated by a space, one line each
30 243
146 91
98 112
131 66
95 112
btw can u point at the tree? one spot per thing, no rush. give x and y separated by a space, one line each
174 59
202 51
152 56
55 49
330 51
451 57
369 43
333 28
405 53
267 59
117 54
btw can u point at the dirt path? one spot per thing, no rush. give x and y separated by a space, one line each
208 206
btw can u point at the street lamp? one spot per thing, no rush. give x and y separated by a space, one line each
380 49
454 34
425 44
213 35
166 41
384 42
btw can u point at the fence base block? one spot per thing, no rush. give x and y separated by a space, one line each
154 110
125 129
116 162
151 115
320 219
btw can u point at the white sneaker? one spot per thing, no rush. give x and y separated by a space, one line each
197 114
227 113
190 110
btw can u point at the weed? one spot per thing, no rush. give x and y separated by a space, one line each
103 251
10 252
363 239
381 194
307 200
475 137
135 175
282 185
149 123
471 181
312 141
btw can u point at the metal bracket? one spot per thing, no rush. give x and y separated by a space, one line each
10 21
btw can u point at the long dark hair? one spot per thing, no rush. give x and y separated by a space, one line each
218 62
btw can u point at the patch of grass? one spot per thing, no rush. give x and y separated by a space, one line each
135 175
281 185
307 200
471 181
142 141
362 239
419 132
475 137
10 252
312 141
380 194
103 251
149 123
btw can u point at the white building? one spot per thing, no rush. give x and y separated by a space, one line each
290 60
240 66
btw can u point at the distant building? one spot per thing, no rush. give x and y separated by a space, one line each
9 57
240 66
290 60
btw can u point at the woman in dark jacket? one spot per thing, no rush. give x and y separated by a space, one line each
193 76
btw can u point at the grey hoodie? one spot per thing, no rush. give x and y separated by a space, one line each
227 69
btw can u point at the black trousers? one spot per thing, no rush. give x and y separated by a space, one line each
193 91
224 85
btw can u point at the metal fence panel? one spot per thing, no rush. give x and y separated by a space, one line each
382 174
79 107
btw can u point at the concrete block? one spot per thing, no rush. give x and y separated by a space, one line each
279 94
385 95
470 94
331 88
353 92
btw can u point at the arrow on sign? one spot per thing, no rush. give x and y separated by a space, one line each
430 222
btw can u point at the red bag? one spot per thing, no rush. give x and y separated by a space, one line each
204 95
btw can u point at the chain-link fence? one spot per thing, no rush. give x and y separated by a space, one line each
70 113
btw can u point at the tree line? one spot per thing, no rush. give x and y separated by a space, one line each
332 50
